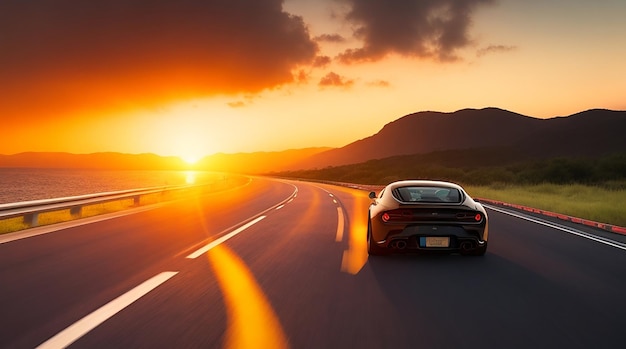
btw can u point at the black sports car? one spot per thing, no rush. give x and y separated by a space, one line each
426 216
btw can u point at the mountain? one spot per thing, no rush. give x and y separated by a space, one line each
251 163
495 135
591 133
258 162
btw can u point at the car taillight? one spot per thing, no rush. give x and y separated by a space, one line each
478 217
385 217
400 215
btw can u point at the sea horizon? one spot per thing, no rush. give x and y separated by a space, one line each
30 184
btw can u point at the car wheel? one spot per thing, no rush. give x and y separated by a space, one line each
372 248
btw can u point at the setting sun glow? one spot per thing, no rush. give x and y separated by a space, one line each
194 91
190 159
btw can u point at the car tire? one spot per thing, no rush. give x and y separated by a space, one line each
372 248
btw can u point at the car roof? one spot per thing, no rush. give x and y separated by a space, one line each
425 183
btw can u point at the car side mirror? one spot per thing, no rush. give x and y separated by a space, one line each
372 195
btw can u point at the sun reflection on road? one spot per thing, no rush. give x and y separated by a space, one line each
252 322
355 257
190 177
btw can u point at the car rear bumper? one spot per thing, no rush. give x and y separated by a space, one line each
414 239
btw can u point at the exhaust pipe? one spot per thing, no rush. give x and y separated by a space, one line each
399 244
467 245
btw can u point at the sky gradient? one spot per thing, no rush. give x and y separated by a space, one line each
192 78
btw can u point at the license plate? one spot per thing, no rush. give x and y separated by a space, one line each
437 241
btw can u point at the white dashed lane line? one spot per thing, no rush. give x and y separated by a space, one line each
75 331
91 321
216 242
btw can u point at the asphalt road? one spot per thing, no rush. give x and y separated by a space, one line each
283 264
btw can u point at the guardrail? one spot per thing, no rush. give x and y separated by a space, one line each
598 225
31 210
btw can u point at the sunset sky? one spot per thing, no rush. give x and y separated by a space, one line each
192 78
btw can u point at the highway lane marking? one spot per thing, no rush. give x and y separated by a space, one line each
279 207
258 215
355 257
563 228
216 242
91 321
340 217
340 225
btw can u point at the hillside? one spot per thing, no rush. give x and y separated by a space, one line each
491 135
258 162
591 133
482 166
252 163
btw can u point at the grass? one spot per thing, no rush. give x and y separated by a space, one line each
15 224
595 203
47 218
12 224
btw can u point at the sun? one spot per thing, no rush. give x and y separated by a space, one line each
190 159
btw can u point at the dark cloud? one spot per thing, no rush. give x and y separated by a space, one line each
334 79
64 55
302 77
321 61
494 49
330 38
420 28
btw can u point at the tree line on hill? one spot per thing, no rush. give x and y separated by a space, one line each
458 167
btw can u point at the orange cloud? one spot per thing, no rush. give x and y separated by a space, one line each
321 61
334 79
60 58
379 83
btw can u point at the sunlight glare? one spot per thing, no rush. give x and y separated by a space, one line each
355 257
190 177
190 159
252 323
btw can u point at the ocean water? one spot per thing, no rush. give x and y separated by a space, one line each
26 184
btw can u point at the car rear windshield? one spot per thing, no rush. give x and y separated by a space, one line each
427 194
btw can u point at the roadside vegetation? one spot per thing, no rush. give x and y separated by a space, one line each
584 201
593 189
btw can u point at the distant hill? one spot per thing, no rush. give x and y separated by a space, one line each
591 133
480 166
492 135
259 162
252 163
